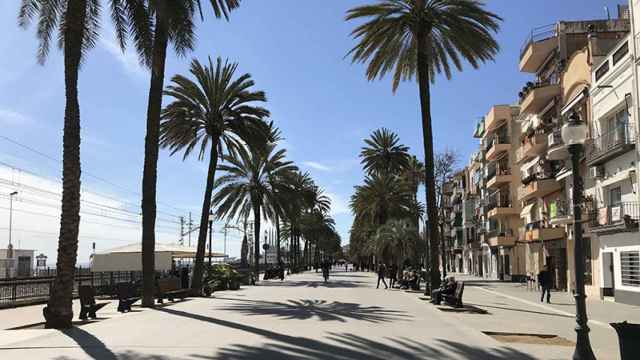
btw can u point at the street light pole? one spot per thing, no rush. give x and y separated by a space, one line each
574 134
11 216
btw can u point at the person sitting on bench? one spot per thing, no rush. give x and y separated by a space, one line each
448 288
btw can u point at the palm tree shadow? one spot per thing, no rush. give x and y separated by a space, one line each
343 346
348 284
320 309
354 347
90 344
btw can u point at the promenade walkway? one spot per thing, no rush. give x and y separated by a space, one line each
300 318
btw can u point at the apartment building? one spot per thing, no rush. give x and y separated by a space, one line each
501 258
560 57
456 225
471 216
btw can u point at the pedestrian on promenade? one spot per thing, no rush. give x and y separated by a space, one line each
393 276
381 270
546 282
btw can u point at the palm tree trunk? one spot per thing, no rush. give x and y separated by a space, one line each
59 313
256 239
427 137
198 268
277 239
151 145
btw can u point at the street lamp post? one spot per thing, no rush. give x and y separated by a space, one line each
210 235
10 246
574 135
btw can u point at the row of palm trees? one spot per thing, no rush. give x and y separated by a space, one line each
216 114
386 211
421 39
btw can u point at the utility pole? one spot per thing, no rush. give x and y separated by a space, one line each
210 234
181 230
190 225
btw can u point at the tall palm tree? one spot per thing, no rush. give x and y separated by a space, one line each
173 22
423 37
383 153
75 24
245 186
214 112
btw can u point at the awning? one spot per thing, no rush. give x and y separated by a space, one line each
576 100
526 211
620 176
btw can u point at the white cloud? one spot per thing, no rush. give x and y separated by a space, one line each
338 204
316 165
128 59
10 117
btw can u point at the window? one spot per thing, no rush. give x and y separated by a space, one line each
620 53
630 268
615 196
602 70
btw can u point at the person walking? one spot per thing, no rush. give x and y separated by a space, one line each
381 270
546 282
393 275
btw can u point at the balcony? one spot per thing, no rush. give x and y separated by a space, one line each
532 146
540 43
536 95
611 144
498 145
555 146
496 117
537 188
615 218
498 177
500 206
536 232
500 238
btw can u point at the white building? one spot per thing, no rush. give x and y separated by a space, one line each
20 264
612 161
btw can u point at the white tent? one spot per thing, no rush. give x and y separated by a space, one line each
129 257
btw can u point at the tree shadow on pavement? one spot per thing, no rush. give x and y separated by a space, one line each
344 346
522 310
318 284
90 344
320 309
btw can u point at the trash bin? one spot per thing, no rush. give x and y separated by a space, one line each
629 340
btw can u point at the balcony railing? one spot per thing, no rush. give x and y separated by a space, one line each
625 214
499 233
499 201
608 145
538 34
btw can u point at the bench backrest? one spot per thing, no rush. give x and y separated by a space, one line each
125 290
169 284
87 295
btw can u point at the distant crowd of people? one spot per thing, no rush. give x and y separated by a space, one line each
405 278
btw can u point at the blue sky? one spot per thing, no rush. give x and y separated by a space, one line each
323 104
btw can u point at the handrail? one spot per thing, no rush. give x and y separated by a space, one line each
539 33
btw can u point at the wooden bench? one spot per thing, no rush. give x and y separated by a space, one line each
455 299
127 296
88 305
170 288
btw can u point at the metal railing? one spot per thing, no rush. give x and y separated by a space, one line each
499 200
627 213
538 34
16 291
621 135
499 233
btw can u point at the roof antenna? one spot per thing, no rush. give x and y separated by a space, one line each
606 9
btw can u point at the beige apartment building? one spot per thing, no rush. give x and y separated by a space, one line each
560 57
502 257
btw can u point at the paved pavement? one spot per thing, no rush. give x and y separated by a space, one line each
301 318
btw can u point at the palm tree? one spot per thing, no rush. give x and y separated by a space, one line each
423 37
384 154
214 112
172 23
77 26
245 186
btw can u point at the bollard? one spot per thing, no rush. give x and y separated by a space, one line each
629 340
